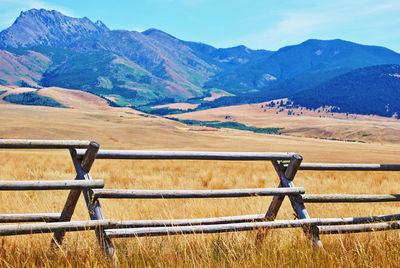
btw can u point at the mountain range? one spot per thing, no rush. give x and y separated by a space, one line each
47 48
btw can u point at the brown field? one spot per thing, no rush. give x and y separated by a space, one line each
129 129
187 106
306 123
180 106
13 90
216 95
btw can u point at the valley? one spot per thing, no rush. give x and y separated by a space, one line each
90 117
330 101
302 122
149 69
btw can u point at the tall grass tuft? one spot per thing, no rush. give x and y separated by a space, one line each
280 248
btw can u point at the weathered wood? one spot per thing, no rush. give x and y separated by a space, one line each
35 228
73 195
359 228
240 156
82 167
349 167
295 200
36 217
42 144
293 166
96 213
348 198
274 207
49 185
89 157
183 222
290 173
297 207
277 201
234 227
166 194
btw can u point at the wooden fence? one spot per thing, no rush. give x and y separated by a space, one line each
360 198
60 222
84 153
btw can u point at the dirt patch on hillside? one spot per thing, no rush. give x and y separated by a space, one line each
75 98
180 106
320 123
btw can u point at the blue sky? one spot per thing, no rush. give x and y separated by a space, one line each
225 23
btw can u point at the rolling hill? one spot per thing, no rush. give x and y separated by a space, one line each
132 66
302 66
48 49
369 90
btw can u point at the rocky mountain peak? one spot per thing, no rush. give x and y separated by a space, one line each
101 25
50 28
158 34
152 31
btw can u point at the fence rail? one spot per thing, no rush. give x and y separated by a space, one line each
188 155
359 228
190 222
286 172
41 228
348 198
348 167
34 217
42 144
286 166
356 227
221 228
49 185
169 194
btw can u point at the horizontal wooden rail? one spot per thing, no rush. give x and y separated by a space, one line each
195 221
37 217
42 144
164 194
220 228
245 156
359 228
49 185
348 167
71 226
348 198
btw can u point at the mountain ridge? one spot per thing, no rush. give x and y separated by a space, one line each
152 65
47 48
51 28
368 90
310 57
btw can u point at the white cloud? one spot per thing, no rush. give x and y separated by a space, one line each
291 28
299 24
322 19
10 9
384 6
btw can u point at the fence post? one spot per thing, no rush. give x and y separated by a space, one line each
286 177
93 205
276 202
289 174
82 168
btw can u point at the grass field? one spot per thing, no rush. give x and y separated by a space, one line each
281 247
128 129
301 122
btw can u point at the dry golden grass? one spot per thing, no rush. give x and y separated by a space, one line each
281 247
312 124
181 106
127 129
